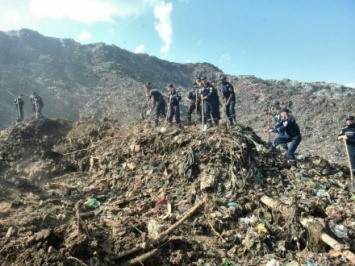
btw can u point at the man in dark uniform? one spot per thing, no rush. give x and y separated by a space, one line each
19 102
277 118
157 100
207 100
37 104
174 107
348 134
229 98
292 134
216 114
195 101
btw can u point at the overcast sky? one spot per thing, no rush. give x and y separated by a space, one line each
303 40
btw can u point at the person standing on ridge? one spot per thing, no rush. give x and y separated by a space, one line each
19 102
348 133
195 101
174 107
229 98
207 100
216 114
37 104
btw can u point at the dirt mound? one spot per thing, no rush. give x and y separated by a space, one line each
128 195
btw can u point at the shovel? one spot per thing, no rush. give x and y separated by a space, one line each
149 113
351 185
269 125
203 125
163 129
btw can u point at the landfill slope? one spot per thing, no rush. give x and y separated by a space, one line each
96 193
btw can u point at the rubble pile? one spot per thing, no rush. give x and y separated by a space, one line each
95 193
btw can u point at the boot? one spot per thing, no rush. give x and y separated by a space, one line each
271 148
284 146
189 121
231 123
293 164
156 122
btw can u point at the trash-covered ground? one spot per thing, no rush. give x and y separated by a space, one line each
95 193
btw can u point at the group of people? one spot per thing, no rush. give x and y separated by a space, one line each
203 99
37 105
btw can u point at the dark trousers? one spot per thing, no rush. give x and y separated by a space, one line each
190 110
207 111
174 111
37 108
230 111
295 141
19 113
351 149
281 134
215 112
159 111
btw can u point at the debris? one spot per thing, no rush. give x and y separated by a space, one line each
95 193
93 203
273 262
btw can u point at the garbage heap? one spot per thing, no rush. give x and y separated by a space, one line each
96 193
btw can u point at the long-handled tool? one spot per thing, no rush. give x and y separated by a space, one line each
269 125
36 107
163 129
149 105
351 185
203 127
169 110
151 113
18 110
196 105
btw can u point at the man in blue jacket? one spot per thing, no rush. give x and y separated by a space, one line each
207 100
348 134
194 97
292 134
276 108
229 98
216 114
19 102
174 107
